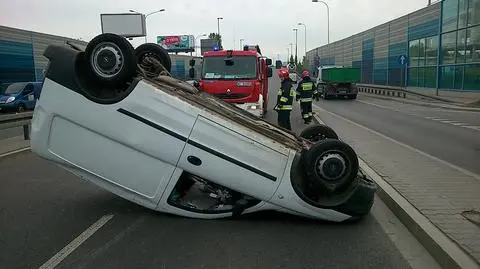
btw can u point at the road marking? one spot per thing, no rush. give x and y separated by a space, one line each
68 249
458 168
14 152
476 128
446 121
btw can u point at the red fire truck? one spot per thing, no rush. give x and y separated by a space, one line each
238 76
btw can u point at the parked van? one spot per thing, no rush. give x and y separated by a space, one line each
20 96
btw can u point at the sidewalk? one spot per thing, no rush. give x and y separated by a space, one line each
12 144
443 193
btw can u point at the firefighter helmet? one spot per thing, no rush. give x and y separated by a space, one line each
283 74
305 74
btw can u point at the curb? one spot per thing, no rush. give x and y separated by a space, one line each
423 104
13 152
445 251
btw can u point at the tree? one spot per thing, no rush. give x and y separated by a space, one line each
291 59
216 37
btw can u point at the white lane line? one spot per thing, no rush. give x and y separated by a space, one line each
450 121
476 128
14 152
458 168
458 123
68 249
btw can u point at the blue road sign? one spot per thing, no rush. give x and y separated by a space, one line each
402 59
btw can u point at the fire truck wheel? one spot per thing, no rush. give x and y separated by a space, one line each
156 51
317 133
111 60
332 164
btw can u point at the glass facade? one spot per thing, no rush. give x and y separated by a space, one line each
460 45
422 54
442 43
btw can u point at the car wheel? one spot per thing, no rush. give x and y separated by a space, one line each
352 97
21 108
111 60
332 164
319 132
155 51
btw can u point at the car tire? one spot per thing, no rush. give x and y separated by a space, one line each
318 132
111 60
352 97
21 108
156 51
332 164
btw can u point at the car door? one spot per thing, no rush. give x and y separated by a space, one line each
28 96
232 158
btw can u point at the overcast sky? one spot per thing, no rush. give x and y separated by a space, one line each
268 23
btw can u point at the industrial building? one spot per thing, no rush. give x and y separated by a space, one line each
441 43
21 56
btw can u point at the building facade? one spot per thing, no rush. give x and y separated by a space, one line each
21 56
441 43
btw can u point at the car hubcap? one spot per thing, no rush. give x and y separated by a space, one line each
107 60
331 166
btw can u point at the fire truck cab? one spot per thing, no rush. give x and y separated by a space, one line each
239 77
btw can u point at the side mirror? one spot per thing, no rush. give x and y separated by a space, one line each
269 61
269 72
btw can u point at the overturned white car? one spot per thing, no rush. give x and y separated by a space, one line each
113 116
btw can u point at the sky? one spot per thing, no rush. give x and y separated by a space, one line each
268 23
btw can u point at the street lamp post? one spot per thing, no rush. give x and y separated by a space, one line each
218 30
300 23
328 21
291 51
296 45
146 16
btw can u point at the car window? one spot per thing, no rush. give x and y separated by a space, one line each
15 88
243 67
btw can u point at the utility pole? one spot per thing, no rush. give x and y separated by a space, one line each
296 45
218 30
305 37
291 51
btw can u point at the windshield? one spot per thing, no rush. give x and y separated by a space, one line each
15 88
243 67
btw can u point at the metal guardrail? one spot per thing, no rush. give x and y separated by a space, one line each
382 90
397 92
15 120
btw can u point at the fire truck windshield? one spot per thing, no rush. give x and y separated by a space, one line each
240 67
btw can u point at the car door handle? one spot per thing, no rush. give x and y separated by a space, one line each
194 160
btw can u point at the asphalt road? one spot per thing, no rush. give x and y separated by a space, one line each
450 135
11 132
43 208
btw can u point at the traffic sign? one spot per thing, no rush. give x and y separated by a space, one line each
402 59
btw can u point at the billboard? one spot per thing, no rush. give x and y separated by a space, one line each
124 24
177 43
207 45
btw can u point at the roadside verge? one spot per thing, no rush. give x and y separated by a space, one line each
444 250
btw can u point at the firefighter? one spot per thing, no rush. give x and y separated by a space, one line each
286 93
305 93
